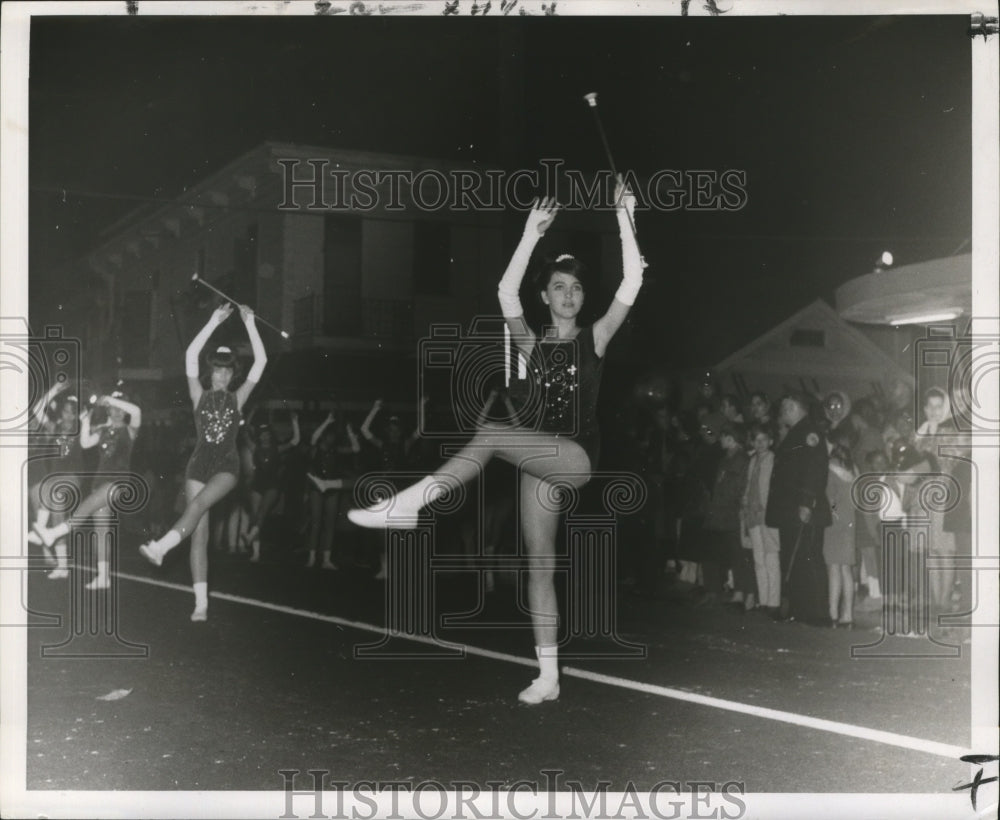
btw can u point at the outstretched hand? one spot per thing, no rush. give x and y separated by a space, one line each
246 314
541 215
222 312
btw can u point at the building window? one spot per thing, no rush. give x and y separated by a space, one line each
432 259
342 275
803 337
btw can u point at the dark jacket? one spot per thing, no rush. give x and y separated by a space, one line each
799 478
730 483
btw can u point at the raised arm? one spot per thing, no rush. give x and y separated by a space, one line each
319 430
296 437
135 414
88 438
259 357
366 425
355 446
541 215
219 315
39 412
607 326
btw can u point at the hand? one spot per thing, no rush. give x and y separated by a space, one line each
624 198
329 417
541 215
377 405
221 313
246 314
805 515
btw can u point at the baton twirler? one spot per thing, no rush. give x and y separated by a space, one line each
196 278
591 99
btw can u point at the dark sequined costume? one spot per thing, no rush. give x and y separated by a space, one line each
561 398
114 450
217 422
70 451
325 462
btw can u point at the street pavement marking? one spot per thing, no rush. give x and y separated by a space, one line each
847 729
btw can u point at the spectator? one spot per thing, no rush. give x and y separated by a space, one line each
760 411
867 425
868 533
839 548
722 548
798 507
730 409
764 539
836 409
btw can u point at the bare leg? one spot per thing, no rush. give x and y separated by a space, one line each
97 499
62 559
833 586
267 503
200 499
536 454
198 558
102 580
539 523
847 582
328 530
315 524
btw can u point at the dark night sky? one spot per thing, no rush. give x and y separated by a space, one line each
855 132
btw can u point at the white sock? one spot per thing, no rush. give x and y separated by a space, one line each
201 595
419 495
168 542
873 588
102 570
61 555
548 662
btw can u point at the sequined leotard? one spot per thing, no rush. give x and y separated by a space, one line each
566 378
217 421
115 450
325 462
70 452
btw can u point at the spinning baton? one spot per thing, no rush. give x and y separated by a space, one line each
196 278
591 99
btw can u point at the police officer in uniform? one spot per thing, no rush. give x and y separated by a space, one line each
798 507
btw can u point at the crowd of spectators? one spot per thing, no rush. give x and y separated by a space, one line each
784 506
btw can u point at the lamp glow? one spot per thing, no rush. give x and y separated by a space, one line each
925 318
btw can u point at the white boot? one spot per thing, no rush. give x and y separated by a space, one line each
403 510
101 580
546 685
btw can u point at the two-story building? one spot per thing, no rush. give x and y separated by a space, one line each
356 255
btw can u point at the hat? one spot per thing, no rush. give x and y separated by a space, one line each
222 356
